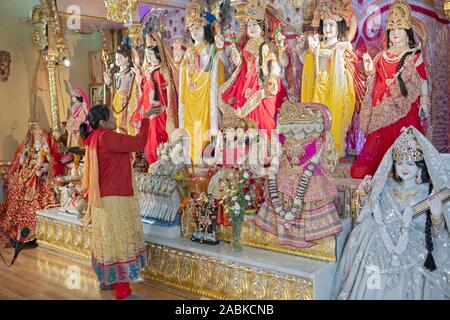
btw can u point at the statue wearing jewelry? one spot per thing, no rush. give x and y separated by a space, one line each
254 90
397 91
201 73
396 252
124 101
300 192
329 73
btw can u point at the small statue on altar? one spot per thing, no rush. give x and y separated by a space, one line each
201 72
254 90
406 248
329 74
206 220
29 183
397 91
124 101
77 114
158 89
300 192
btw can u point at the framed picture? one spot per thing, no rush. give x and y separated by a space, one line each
96 95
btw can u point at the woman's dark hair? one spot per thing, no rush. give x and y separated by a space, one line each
79 99
425 177
412 45
341 27
209 36
96 114
152 75
262 25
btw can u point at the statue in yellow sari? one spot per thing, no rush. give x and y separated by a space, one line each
125 99
201 72
327 72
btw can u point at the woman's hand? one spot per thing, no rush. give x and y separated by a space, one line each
154 112
235 56
365 184
219 41
368 63
313 42
107 78
435 206
424 112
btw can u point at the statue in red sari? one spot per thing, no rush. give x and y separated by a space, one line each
254 90
29 183
397 91
157 89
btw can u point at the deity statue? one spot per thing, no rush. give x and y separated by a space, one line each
397 91
29 183
124 101
329 71
157 89
77 114
254 90
300 192
405 247
201 72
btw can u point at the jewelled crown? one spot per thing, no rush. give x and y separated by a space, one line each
195 11
406 148
337 10
399 16
292 113
256 9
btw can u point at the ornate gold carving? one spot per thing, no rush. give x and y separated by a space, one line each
135 33
293 113
120 10
253 236
69 239
51 66
221 279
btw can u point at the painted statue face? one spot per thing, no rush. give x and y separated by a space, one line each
330 28
121 60
406 170
398 36
197 33
254 29
151 57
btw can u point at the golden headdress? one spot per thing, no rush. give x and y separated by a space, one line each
195 11
337 10
399 16
256 9
295 113
406 148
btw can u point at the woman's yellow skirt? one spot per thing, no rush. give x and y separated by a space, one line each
118 247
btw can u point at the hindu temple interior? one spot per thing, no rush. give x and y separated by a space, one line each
224 149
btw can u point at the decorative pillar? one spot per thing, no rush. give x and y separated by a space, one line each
52 60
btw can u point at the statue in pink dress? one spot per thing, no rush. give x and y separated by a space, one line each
77 114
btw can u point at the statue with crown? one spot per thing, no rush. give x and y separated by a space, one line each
299 203
397 90
254 90
329 73
201 73
399 249
121 80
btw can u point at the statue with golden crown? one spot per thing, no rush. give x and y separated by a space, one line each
254 90
122 83
329 74
397 90
201 73
300 193
157 89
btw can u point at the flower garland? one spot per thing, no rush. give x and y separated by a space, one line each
300 192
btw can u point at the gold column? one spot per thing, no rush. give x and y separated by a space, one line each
52 60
